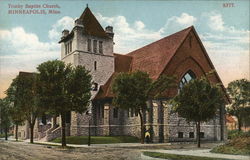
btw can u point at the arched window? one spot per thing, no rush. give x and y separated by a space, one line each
186 78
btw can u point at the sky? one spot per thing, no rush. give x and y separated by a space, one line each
27 40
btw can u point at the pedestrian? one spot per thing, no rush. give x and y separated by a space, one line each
147 136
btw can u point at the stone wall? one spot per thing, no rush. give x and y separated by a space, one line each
104 66
23 131
162 123
211 129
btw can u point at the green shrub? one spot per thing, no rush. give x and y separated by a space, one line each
236 133
238 144
246 134
226 149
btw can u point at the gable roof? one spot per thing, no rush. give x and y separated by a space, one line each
153 59
228 100
158 54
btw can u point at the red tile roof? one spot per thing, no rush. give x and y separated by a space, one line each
122 63
151 58
157 54
105 90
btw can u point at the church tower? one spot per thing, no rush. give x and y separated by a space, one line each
89 45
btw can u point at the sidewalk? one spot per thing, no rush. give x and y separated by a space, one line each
192 152
201 153
94 145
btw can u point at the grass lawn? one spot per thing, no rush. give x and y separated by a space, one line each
53 145
178 157
237 145
3 135
98 139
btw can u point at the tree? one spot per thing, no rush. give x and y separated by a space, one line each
5 120
132 90
27 99
63 88
246 116
239 91
15 111
198 101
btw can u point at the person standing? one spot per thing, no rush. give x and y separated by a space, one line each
147 136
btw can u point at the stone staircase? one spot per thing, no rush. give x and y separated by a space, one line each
51 133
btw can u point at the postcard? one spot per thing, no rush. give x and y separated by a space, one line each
186 39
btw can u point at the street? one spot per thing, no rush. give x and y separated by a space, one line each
25 151
12 150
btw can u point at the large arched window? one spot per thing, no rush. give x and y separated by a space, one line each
186 78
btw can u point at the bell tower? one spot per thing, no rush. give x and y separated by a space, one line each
89 45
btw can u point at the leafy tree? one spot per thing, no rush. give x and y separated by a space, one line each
198 101
63 88
246 116
5 121
132 90
239 91
15 111
27 99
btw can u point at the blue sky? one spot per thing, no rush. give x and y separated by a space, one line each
28 40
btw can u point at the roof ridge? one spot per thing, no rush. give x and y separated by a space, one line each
155 42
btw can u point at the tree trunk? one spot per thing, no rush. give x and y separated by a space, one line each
239 123
31 133
142 127
89 133
6 132
63 129
16 136
198 134
32 124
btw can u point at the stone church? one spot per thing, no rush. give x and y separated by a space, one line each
181 54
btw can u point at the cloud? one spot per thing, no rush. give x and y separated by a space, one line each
177 23
22 51
215 22
139 25
18 42
227 46
57 28
129 37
